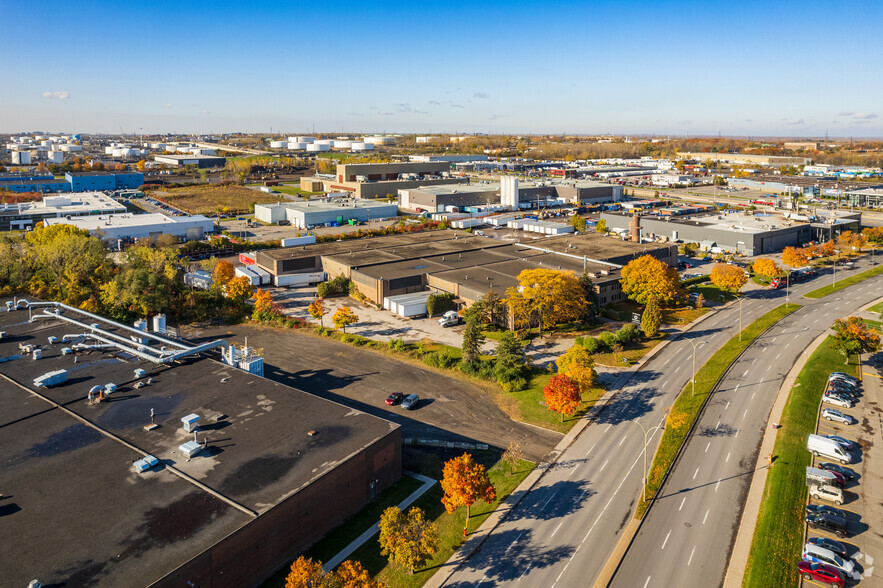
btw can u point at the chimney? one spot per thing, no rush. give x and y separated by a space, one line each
635 229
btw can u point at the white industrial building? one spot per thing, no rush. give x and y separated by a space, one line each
312 213
139 226
24 215
672 180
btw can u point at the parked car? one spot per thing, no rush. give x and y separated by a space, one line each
815 554
816 509
394 398
832 414
829 493
843 380
410 401
843 376
844 443
837 400
835 546
828 522
821 573
833 467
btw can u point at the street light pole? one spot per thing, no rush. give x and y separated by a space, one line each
646 432
693 380
741 300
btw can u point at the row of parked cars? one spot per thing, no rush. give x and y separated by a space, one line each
823 559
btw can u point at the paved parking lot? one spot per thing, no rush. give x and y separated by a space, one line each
864 494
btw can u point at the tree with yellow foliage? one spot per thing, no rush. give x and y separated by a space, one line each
552 296
317 310
408 539
306 573
577 364
646 277
343 317
766 267
794 257
852 337
224 272
728 277
238 289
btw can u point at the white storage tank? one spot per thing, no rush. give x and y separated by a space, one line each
21 157
342 144
55 157
326 142
71 147
108 150
359 146
297 146
279 144
46 143
315 148
117 152
158 146
307 140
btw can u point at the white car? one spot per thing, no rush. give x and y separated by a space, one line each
832 414
837 401
828 493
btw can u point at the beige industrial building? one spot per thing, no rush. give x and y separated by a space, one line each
379 180
802 145
746 158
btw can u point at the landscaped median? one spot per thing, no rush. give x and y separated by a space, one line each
688 405
778 535
844 283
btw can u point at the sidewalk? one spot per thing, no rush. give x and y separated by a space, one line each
374 529
742 545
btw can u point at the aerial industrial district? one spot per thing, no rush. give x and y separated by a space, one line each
398 360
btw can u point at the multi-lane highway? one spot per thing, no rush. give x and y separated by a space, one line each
563 531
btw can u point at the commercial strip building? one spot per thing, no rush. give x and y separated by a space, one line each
737 231
450 260
312 213
379 180
746 158
200 161
73 182
18 217
866 197
139 226
264 472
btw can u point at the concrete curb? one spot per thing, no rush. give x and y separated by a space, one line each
474 543
742 545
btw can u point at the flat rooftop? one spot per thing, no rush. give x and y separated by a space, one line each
458 189
332 205
95 222
68 463
80 203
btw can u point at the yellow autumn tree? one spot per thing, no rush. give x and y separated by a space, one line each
238 289
728 277
794 257
343 317
646 277
577 364
552 296
224 272
766 267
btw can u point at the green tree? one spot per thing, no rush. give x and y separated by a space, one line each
651 318
409 540
509 364
588 288
493 308
578 223
473 338
439 303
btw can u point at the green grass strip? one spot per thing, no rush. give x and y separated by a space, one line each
778 536
686 408
841 284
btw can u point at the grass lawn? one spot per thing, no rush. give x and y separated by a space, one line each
681 316
843 283
876 308
632 352
532 408
778 536
209 199
351 528
712 292
686 408
450 528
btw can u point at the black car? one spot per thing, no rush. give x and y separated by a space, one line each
817 509
843 384
834 467
844 443
842 395
828 522
835 546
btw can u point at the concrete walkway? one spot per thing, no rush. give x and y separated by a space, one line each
374 529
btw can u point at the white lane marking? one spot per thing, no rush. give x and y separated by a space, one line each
525 571
773 340
663 384
728 458
787 344
666 539
583 494
716 486
647 582
778 356
689 561
683 500
666 361
590 450
603 466
769 367
752 395
677 369
480 582
562 571
727 406
514 542
717 426
746 373
815 321
548 501
695 473
556 529
623 440
705 517
707 446
753 360
737 434
744 414
736 389
608 427
573 471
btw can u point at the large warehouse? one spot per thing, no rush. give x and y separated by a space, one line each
122 471
73 182
139 226
24 215
379 180
737 231
312 213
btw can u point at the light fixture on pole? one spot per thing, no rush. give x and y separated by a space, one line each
646 432
693 380
741 300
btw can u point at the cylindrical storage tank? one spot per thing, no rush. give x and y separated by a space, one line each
297 146
279 144
117 152
159 146
306 139
129 152
46 143
71 147
326 142
55 157
11 146
108 150
39 137
342 144
21 157
315 147
358 146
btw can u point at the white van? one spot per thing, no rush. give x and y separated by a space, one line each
818 445
814 553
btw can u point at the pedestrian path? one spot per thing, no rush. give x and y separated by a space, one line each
374 529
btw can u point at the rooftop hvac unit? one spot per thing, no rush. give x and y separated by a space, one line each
190 448
144 464
191 422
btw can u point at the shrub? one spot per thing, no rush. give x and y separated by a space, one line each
608 338
514 385
591 344
324 331
439 303
396 344
339 286
627 334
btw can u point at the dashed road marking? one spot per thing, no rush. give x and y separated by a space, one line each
695 473
666 539
683 500
706 516
689 561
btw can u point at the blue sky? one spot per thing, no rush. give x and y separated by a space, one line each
738 68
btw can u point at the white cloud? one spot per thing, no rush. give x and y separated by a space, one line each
479 95
864 115
166 105
60 95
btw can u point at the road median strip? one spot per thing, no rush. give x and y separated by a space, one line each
686 409
824 291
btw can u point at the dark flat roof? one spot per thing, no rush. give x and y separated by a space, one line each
61 476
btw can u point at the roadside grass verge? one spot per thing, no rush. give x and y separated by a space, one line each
532 407
876 308
845 283
778 536
450 527
632 352
681 316
714 293
687 406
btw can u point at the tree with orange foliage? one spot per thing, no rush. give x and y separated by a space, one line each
263 302
646 277
852 336
317 310
305 572
577 364
728 277
464 481
827 248
351 574
343 317
224 272
766 267
238 289
562 395
873 234
794 257
140 165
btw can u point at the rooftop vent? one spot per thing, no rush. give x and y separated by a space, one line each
191 423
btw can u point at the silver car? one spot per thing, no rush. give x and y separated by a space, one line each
832 414
410 401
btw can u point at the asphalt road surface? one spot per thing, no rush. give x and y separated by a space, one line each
564 530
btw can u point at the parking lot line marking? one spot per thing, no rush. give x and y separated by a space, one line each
683 500
623 440
694 475
556 529
728 457
689 561
603 466
706 516
707 446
